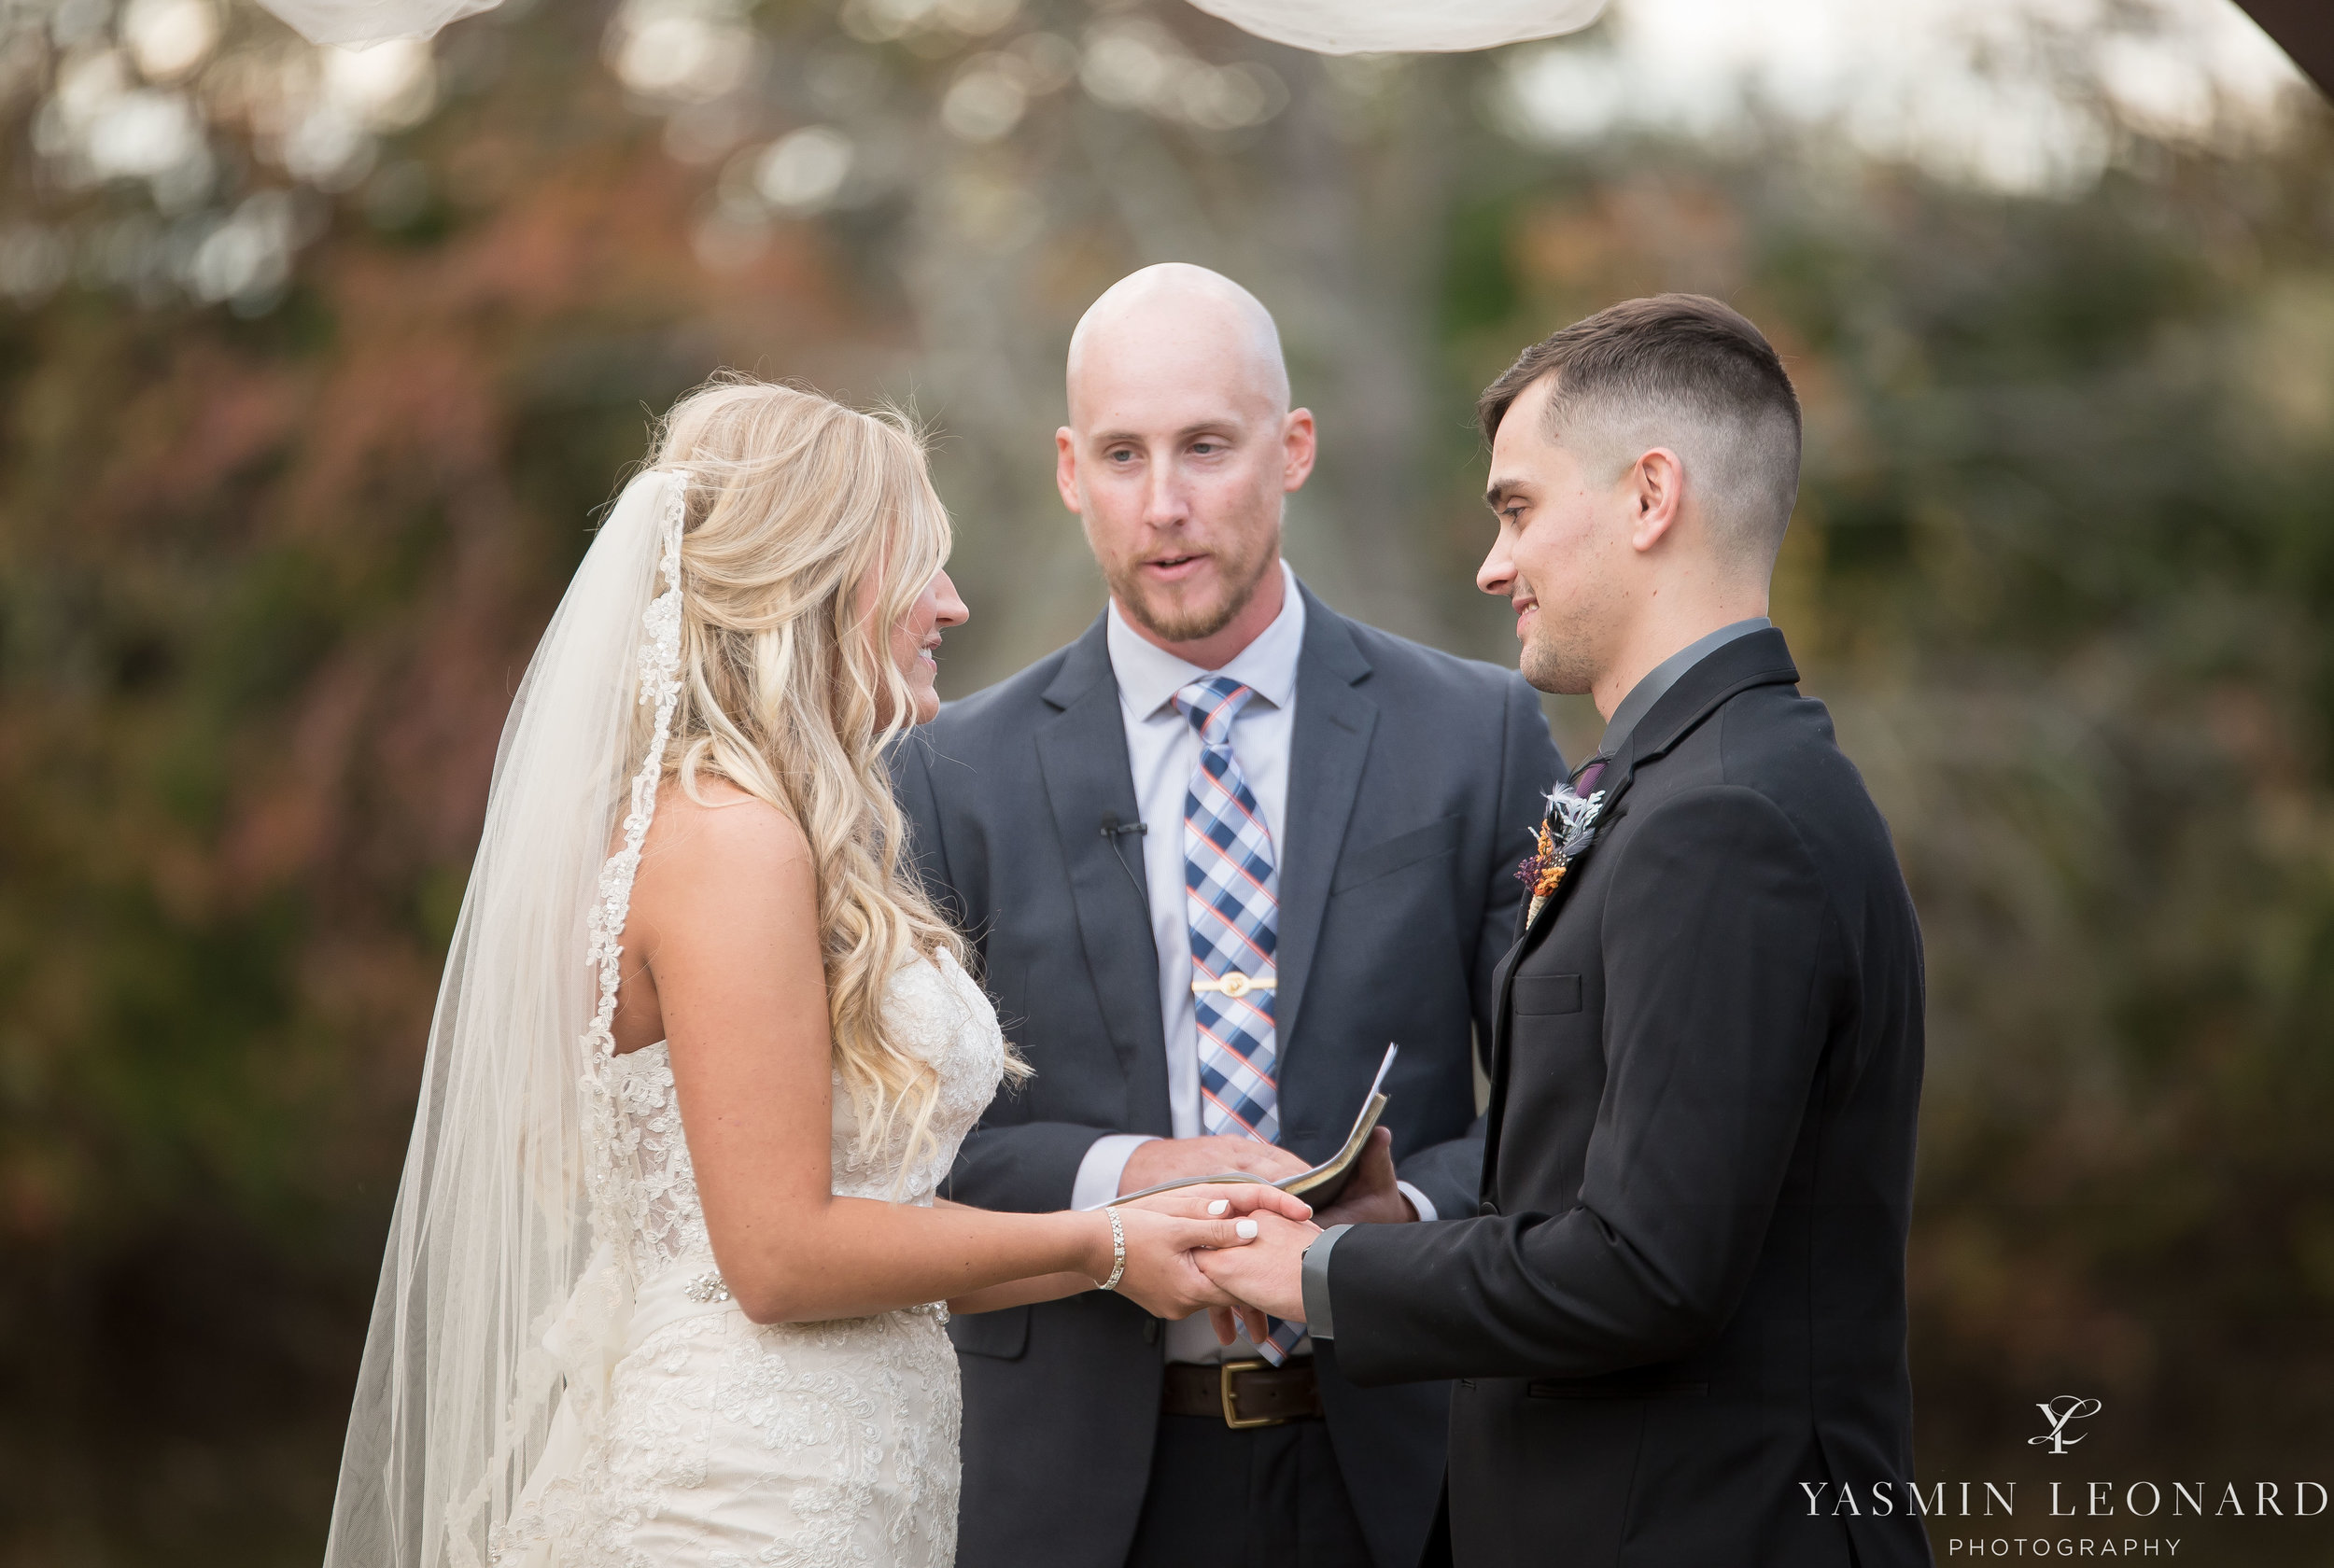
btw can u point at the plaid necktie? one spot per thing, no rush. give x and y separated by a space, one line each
1231 897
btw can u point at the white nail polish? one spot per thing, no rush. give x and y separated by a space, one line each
1221 1207
1245 1231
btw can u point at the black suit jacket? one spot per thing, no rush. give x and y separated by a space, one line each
1684 1293
1415 781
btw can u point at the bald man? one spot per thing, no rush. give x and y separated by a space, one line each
1217 854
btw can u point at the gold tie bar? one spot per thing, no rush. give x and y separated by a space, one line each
1234 985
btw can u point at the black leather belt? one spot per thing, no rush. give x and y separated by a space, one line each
1243 1393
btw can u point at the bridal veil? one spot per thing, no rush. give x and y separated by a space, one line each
493 1312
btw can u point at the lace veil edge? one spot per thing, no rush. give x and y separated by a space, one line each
503 1291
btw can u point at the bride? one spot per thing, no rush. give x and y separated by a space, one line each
663 1277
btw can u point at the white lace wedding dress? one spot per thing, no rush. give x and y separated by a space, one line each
718 1443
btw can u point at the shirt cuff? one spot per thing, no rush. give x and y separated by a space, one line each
1313 1275
1418 1200
1104 1167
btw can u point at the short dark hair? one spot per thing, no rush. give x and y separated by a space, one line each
1695 360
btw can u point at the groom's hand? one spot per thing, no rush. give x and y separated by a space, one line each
1179 1159
1264 1273
1371 1195
1231 1200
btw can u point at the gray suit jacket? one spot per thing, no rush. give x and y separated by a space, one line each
1415 781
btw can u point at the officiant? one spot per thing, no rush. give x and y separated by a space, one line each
1215 854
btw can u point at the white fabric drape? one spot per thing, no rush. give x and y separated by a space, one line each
492 1228
372 21
1403 26
1324 26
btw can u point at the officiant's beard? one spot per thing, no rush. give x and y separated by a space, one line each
1169 620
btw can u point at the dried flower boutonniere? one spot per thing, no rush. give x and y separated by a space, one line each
1564 833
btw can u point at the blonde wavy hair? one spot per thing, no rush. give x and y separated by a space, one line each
789 691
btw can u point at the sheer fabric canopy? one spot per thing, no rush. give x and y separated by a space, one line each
1403 26
373 22
1324 26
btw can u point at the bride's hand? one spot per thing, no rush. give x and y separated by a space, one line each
1219 1200
1161 1277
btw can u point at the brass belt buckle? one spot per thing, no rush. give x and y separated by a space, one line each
1232 1418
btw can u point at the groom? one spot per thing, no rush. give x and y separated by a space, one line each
1217 853
1676 1321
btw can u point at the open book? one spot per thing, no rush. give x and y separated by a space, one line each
1323 1181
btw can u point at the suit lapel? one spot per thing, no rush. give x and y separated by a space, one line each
1082 756
1329 744
1761 659
1505 975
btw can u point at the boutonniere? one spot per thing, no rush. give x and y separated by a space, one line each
1564 834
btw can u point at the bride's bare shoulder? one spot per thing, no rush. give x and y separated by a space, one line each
718 829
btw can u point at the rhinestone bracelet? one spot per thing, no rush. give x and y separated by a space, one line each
1118 1250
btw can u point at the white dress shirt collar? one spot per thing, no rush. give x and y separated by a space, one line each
1149 675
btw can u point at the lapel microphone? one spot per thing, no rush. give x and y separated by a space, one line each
1113 831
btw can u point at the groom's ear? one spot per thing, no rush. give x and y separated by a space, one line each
1298 447
1065 468
1657 483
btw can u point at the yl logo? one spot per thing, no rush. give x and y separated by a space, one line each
2066 1408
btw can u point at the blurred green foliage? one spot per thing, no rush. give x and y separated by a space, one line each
2063 568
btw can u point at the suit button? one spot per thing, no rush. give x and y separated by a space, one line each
1487 1209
